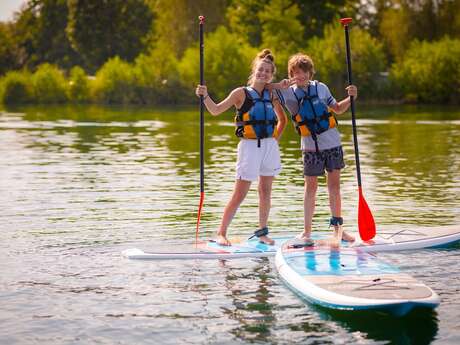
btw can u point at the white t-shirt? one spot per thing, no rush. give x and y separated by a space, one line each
326 140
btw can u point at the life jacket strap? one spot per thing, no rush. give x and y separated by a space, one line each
315 139
256 122
316 119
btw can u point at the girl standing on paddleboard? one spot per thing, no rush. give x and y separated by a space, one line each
311 106
260 121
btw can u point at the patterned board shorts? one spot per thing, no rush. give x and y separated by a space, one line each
315 163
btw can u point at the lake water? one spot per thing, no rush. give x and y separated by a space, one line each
80 184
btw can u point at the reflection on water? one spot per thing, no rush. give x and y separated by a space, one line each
79 184
419 327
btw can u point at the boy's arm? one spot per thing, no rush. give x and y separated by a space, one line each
344 104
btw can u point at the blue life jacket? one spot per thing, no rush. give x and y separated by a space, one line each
313 117
259 121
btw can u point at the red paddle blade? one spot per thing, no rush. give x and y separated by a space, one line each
199 216
366 224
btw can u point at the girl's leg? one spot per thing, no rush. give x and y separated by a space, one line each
239 193
265 192
309 200
335 200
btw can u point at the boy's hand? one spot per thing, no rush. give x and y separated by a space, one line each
201 90
352 91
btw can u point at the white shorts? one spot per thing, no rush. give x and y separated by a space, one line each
256 161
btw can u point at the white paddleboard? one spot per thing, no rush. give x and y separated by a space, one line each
394 240
350 279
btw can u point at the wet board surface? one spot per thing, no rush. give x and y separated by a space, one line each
350 279
390 240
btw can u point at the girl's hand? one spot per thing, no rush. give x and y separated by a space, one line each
352 91
283 84
201 90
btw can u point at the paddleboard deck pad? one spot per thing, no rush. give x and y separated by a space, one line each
394 240
350 279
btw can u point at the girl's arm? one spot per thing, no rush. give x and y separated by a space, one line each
235 98
282 119
344 104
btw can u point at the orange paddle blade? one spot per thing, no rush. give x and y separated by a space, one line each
366 224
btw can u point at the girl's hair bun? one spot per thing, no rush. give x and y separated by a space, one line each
266 54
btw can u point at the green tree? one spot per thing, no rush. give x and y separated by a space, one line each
8 58
243 17
99 30
39 32
247 17
398 22
368 60
176 21
316 14
449 18
281 31
395 31
227 63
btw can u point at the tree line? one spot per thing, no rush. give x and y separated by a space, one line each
145 51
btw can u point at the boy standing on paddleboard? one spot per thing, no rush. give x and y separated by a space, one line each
311 106
260 121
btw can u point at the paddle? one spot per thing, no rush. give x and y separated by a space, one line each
201 18
366 222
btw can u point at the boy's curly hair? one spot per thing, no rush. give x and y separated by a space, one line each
301 61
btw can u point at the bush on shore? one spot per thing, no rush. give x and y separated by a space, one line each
157 77
429 72
115 83
15 88
49 85
79 90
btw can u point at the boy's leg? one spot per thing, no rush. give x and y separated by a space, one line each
265 191
333 186
309 200
335 201
239 193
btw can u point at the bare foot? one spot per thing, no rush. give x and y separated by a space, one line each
222 240
304 236
328 242
266 240
347 237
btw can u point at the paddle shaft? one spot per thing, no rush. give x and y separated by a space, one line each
201 18
201 107
352 106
